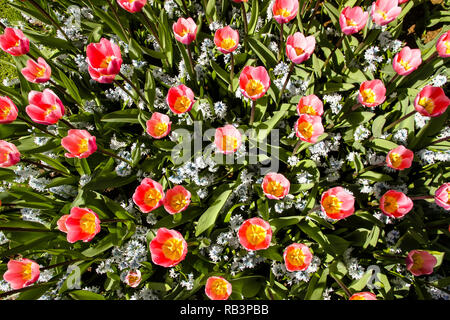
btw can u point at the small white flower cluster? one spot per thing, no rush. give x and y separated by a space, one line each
400 136
220 109
386 42
361 133
365 186
327 293
420 120
3 240
355 271
33 215
123 169
188 284
334 101
324 147
372 58
438 80
145 293
279 271
436 293
229 238
118 94
429 157
65 191
247 261
192 171
392 236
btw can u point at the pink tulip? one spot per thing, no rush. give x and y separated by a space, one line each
104 60
407 60
420 262
402 1
385 11
337 203
217 288
158 126
79 143
180 99
177 199
148 195
44 107
255 234
400 158
168 248
227 139
353 20
299 48
21 273
442 196
275 186
8 110
372 93
431 101
363 296
37 72
311 105
132 6
14 42
443 45
254 82
185 30
284 10
226 39
82 224
297 257
308 128
395 204
133 278
61 223
9 155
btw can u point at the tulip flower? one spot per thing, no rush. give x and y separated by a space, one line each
311 105
300 48
168 248
158 126
132 6
79 143
21 273
385 11
308 128
395 204
443 45
431 101
372 93
8 110
363 296
185 30
255 234
9 155
217 288
82 224
14 42
177 199
37 72
254 82
297 257
44 107
148 195
227 139
400 158
337 203
61 223
226 39
420 262
402 1
353 20
284 10
407 60
442 196
275 186
133 278
180 99
104 60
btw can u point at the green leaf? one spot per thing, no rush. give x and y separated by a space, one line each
382 145
71 87
254 18
209 217
122 116
357 118
51 162
85 295
317 286
267 57
375 176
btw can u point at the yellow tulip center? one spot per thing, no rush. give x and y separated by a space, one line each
254 87
368 96
83 146
351 22
160 128
229 143
5 110
305 129
105 63
299 51
396 159
26 271
390 204
87 223
152 197
255 234
308 110
50 110
182 104
417 261
296 257
427 103
383 14
282 12
228 43
332 204
219 287
133 278
448 196
405 64
447 45
178 202
275 188
173 249
40 72
358 297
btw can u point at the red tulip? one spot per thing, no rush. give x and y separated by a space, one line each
443 45
400 158
284 10
82 224
44 107
255 234
442 196
168 248
227 139
395 204
9 155
372 93
431 101
132 6
300 48
385 11
407 60
8 110
308 128
275 186
311 105
37 72
177 199
159 125
62 223
226 39
254 82
104 60
14 42
217 288
420 262
21 273
363 296
353 20
148 195
337 203
79 143
180 99
297 257
185 30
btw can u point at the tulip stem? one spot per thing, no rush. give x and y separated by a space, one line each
392 80
356 106
433 56
191 62
291 69
422 197
312 16
297 146
439 140
118 19
304 7
393 124
114 156
244 17
150 26
232 69
252 113
185 7
338 44
280 49
342 285
138 92
67 123
43 166
34 125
